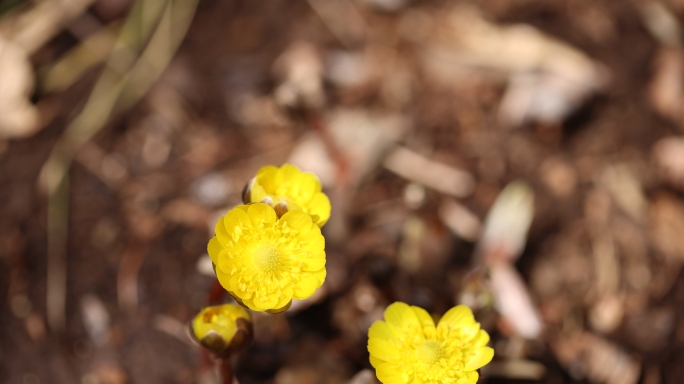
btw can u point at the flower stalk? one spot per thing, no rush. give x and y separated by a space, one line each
223 330
226 371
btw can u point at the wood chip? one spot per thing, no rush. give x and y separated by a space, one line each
440 177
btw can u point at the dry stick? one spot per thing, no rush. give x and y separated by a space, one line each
54 175
120 45
127 278
58 218
87 123
93 50
96 112
166 39
30 30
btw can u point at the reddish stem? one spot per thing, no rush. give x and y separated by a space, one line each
226 371
216 293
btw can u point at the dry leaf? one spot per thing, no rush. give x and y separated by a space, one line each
668 154
507 223
513 302
18 117
548 79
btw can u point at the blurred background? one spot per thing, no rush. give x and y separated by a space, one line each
523 157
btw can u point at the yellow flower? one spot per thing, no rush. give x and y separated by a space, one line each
223 328
300 190
408 348
264 261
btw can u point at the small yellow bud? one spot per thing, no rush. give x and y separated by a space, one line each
223 329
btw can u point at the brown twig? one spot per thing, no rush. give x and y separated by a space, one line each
58 223
127 277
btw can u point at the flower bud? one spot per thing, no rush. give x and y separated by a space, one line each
247 191
223 329
281 208
268 200
280 205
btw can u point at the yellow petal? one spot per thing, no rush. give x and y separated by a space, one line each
310 186
320 275
233 284
291 184
264 302
375 362
224 279
222 233
289 173
306 287
250 304
314 242
313 264
281 182
400 316
381 330
266 177
389 374
235 287
280 309
285 297
468 378
423 317
457 316
298 220
235 218
479 358
261 213
481 339
383 350
320 206
470 332
242 207
258 193
225 263
214 248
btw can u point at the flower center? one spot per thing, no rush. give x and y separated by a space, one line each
266 257
429 352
